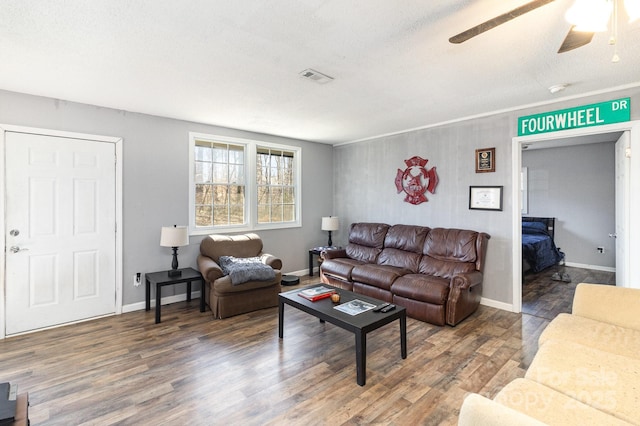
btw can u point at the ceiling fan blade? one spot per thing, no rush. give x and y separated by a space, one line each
498 20
575 39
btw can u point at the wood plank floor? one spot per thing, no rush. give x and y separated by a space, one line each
193 369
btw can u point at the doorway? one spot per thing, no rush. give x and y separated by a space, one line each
61 212
576 137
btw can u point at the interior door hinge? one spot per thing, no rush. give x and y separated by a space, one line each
627 152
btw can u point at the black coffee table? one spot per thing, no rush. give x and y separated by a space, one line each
359 324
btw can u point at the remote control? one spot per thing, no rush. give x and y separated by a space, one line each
380 307
388 308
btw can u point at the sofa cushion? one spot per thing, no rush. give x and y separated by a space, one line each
423 288
550 406
457 245
403 247
400 259
477 410
595 301
592 333
245 245
380 276
448 252
605 381
406 237
366 241
340 267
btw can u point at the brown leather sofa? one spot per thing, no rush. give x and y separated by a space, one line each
436 274
224 298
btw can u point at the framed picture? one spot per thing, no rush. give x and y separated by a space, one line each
485 160
485 198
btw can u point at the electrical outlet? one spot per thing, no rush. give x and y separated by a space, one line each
600 249
137 279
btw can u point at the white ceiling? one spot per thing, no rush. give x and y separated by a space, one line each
236 63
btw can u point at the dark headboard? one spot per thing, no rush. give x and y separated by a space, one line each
550 222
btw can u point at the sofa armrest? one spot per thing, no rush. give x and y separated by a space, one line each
477 410
464 296
334 254
466 281
271 260
209 269
608 304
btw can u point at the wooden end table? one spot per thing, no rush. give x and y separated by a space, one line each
162 278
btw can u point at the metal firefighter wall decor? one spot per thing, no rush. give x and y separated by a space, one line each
416 179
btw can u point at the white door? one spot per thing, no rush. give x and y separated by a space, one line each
60 230
623 167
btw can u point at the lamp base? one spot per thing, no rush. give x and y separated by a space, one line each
175 273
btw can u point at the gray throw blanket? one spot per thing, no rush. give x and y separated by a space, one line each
244 269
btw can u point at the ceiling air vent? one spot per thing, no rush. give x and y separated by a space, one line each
316 76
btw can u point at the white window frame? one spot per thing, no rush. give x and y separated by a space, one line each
251 187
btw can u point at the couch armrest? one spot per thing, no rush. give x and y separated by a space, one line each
334 254
608 304
477 410
209 269
464 296
466 281
271 260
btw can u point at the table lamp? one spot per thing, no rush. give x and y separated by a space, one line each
174 237
330 223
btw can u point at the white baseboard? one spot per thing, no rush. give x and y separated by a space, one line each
495 304
138 306
594 267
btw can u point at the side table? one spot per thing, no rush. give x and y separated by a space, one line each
317 251
162 278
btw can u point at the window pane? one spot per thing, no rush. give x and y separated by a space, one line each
236 195
276 213
220 153
263 195
287 194
220 195
263 213
204 194
236 174
202 172
276 195
220 215
288 213
203 216
236 154
220 173
236 216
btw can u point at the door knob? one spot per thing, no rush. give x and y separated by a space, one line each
16 249
14 232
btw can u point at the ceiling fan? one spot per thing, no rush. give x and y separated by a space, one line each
573 40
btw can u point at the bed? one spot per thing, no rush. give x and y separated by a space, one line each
539 249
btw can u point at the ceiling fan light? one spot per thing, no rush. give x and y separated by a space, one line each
633 9
590 15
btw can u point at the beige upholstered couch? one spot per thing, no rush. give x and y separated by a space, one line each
586 370
224 298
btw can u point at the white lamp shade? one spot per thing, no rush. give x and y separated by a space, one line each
330 223
174 236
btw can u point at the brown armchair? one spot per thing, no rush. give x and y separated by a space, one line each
223 297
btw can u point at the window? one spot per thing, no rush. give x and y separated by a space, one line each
219 184
275 185
240 185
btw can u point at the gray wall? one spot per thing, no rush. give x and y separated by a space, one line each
576 185
365 189
155 181
359 177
